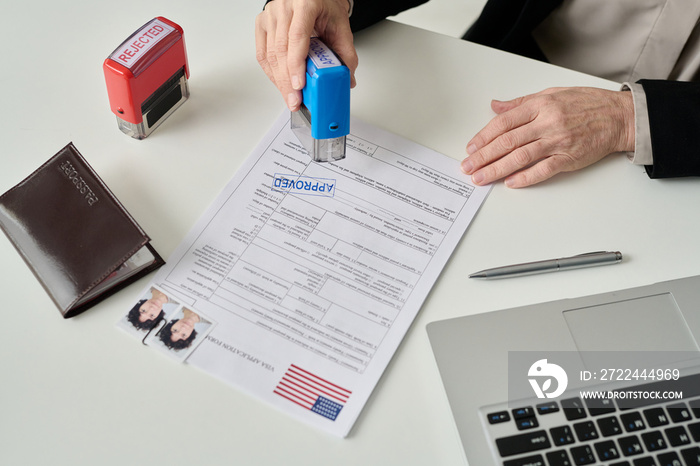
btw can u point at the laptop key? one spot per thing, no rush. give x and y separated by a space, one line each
609 426
582 455
632 421
669 459
523 443
677 436
527 423
679 412
535 460
656 417
562 435
558 458
585 431
573 408
630 445
654 441
497 418
546 408
607 450
646 461
695 431
520 413
695 407
691 456
597 407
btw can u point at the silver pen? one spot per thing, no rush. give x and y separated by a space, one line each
590 259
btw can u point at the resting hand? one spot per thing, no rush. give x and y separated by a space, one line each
282 33
533 138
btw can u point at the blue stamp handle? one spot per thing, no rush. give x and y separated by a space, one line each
326 94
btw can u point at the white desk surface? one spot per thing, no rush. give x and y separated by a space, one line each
81 392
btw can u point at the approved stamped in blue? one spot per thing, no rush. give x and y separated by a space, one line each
299 184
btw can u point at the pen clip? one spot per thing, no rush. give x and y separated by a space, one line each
617 254
592 253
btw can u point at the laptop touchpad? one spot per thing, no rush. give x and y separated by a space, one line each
650 323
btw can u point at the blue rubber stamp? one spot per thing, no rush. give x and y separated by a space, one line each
323 121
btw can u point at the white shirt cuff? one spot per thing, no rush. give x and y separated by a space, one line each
642 154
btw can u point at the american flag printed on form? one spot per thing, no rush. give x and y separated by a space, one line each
311 392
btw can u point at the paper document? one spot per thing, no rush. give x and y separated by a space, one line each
313 272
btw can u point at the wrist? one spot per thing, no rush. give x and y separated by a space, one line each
627 132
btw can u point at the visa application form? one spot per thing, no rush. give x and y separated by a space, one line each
314 272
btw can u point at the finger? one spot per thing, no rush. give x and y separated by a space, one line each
277 47
499 125
502 106
512 162
261 46
539 172
342 43
502 146
300 32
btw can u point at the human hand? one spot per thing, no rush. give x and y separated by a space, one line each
533 138
282 35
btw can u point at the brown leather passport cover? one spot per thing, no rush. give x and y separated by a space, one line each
71 230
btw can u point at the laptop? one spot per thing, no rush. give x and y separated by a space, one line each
609 379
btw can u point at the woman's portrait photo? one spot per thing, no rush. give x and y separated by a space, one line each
181 333
147 312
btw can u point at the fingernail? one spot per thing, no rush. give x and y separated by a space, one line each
292 100
467 166
296 82
471 149
478 177
509 182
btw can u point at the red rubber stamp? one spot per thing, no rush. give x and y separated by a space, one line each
147 77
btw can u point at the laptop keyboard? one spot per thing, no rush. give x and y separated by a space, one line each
572 431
